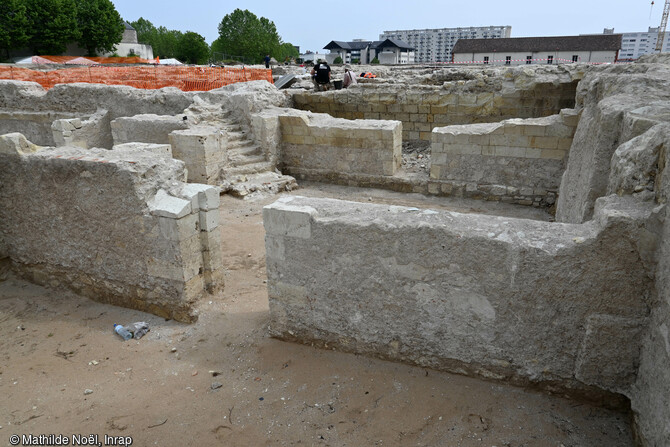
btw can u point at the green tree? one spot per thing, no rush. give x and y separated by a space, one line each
52 24
287 51
338 60
100 26
13 25
166 42
242 33
146 31
192 48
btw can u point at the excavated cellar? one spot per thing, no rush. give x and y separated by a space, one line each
577 307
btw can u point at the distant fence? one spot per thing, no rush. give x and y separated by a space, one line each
187 79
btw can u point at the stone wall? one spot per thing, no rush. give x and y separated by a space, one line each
117 226
421 108
639 169
202 149
324 145
89 132
553 305
619 103
148 128
86 99
36 126
521 157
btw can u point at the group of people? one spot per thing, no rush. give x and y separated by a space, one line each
321 76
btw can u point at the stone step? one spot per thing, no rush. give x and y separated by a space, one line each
244 151
237 135
246 160
251 168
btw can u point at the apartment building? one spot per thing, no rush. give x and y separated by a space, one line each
436 45
634 45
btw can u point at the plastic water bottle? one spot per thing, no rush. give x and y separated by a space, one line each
123 332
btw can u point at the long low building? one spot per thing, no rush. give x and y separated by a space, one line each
538 50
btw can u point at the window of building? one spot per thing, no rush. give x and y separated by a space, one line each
575 58
550 59
529 60
486 59
508 60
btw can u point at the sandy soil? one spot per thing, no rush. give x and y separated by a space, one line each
159 390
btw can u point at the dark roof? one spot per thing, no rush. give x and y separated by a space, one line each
128 26
338 44
598 42
359 45
397 43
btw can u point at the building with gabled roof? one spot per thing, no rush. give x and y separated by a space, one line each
435 45
596 48
388 51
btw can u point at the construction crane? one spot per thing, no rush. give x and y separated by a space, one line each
664 25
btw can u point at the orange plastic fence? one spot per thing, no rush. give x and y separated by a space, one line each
150 77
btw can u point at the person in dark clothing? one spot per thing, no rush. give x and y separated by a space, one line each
321 76
267 61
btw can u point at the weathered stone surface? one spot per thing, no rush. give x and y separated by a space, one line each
518 153
147 128
613 99
105 224
635 164
86 133
504 298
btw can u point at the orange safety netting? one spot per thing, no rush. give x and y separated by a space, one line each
150 77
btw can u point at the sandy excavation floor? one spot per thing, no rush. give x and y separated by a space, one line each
159 390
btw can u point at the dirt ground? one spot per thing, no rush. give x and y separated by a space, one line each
161 390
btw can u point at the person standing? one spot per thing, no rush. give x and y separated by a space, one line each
267 61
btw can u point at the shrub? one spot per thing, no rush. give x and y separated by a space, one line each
338 60
374 61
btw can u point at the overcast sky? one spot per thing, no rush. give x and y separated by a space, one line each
311 25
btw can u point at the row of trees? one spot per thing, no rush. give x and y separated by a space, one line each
188 47
48 26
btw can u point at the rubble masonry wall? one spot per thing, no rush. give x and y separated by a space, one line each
510 299
422 108
118 226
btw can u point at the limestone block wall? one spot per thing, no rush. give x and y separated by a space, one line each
522 157
36 126
422 108
87 132
323 145
146 128
202 149
554 305
118 226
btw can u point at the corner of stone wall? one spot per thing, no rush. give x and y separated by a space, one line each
85 132
201 149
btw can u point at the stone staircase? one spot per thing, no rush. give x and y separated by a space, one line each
248 171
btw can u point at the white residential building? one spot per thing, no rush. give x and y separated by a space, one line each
387 51
436 45
634 45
